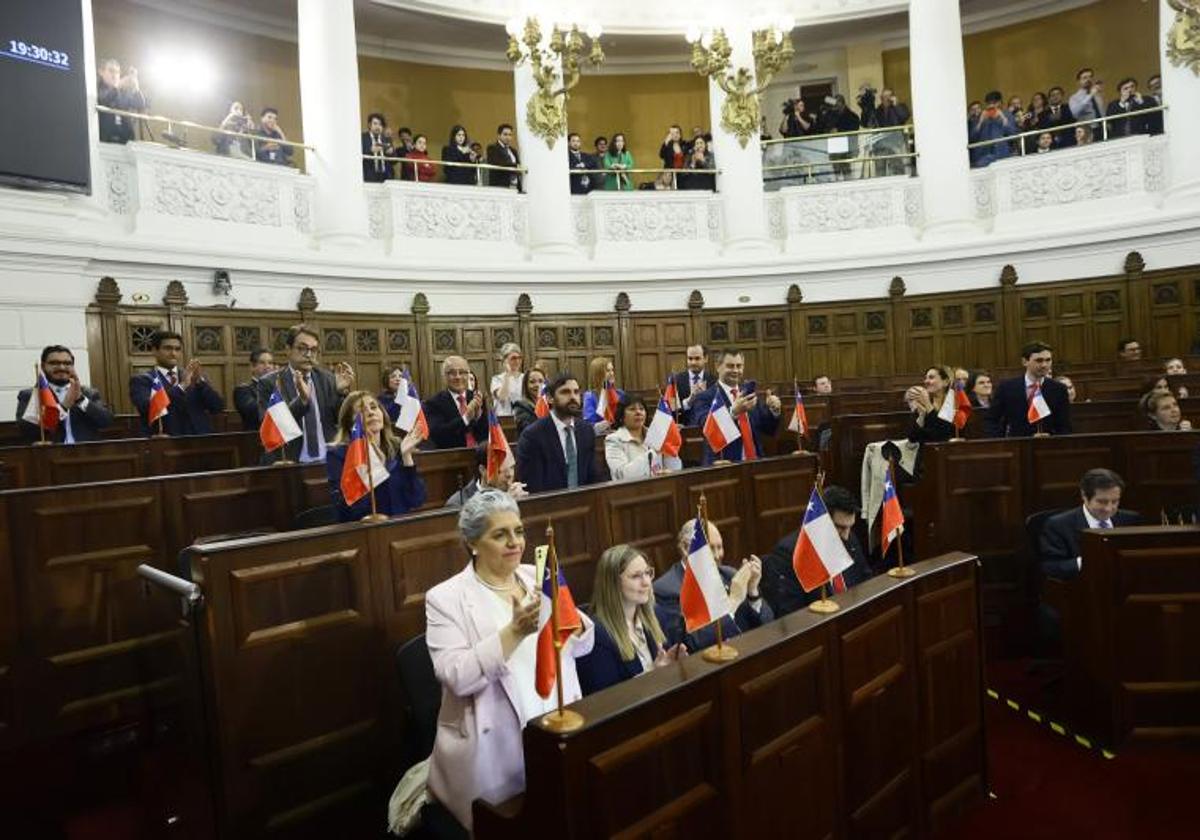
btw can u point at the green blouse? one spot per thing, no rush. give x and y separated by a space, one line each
625 159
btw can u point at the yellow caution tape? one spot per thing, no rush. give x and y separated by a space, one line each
1083 742
1058 727
1034 716
1037 717
993 694
1012 704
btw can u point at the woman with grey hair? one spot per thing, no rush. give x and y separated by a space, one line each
508 385
481 629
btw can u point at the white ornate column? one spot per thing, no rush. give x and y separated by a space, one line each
329 99
939 119
740 184
547 185
1181 122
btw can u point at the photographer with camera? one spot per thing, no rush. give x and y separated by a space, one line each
837 118
122 92
891 112
993 123
796 122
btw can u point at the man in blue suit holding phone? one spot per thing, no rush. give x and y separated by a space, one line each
754 414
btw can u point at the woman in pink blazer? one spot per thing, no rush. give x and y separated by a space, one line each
481 629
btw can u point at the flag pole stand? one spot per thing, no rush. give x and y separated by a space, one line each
374 515
561 719
800 450
1039 432
720 652
824 604
36 394
160 433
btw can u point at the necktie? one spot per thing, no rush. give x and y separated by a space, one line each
734 392
695 379
572 458
312 424
172 378
1107 523
1030 390
462 411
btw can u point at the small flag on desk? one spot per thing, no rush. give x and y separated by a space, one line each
892 517
411 414
702 595
1039 409
948 407
663 434
278 425
799 424
499 454
568 622
160 401
542 409
720 430
607 405
962 406
43 408
355 472
671 395
820 555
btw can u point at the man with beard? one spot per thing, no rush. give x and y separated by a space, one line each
558 452
84 414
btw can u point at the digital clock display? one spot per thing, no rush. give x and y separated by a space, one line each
43 87
24 51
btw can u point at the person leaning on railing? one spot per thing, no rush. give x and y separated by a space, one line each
1125 108
504 153
121 92
699 158
377 145
993 123
421 171
237 120
617 157
458 150
269 151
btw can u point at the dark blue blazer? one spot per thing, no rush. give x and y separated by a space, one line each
1006 415
683 388
666 597
446 427
762 422
404 490
780 586
85 425
541 464
387 401
604 666
189 410
1058 544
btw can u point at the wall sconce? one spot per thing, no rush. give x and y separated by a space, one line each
773 51
547 46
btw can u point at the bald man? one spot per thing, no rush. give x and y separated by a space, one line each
457 416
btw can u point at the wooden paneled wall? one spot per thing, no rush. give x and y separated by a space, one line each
888 335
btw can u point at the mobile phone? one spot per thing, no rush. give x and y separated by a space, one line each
748 387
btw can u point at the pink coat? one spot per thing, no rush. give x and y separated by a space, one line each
478 750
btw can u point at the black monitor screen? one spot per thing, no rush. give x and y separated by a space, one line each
43 98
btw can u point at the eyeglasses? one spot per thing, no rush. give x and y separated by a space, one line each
306 349
647 574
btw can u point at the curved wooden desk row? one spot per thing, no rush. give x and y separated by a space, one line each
307 621
866 722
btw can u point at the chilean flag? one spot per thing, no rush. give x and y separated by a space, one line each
663 434
160 402
720 430
1039 409
568 622
355 473
499 454
819 555
702 595
411 413
278 425
43 408
799 423
542 409
671 395
892 521
607 406
962 406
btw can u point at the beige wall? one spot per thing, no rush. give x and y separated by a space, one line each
1117 37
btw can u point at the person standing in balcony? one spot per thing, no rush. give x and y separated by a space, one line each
837 118
122 93
1125 107
993 123
236 120
459 150
421 171
504 153
581 182
700 158
673 151
1087 102
375 147
271 151
797 121
1060 116
619 158
1154 121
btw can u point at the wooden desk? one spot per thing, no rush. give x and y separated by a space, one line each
868 722
1130 631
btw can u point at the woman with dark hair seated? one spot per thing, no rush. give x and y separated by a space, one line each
979 389
629 634
1162 411
525 410
403 490
389 397
926 401
458 150
625 449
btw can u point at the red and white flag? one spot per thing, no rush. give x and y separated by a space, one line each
892 517
1038 409
43 408
160 401
819 554
278 425
720 429
663 435
499 454
362 471
962 406
607 405
412 414
542 409
671 395
568 622
799 424
702 595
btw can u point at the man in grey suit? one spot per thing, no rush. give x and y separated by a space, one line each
313 395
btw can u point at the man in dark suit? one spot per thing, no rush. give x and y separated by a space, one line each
779 584
694 380
581 184
457 416
558 452
503 153
192 398
313 395
750 609
762 412
245 396
86 413
1058 545
376 145
1059 116
1008 414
